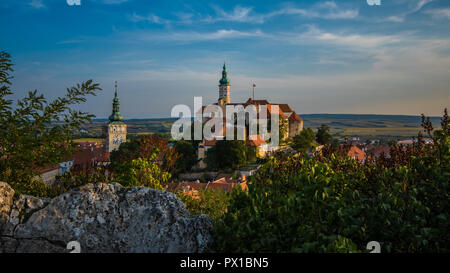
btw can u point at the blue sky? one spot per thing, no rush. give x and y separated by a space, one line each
318 56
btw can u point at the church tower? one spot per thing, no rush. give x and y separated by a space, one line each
117 129
224 88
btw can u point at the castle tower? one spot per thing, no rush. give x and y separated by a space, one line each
117 129
224 88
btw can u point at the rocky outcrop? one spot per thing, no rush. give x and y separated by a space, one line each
101 218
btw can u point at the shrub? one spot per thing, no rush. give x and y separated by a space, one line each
212 203
336 204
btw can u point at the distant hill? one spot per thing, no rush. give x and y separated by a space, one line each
369 126
386 127
363 121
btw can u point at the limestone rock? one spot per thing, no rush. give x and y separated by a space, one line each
105 218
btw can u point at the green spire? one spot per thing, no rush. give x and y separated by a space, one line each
224 79
115 116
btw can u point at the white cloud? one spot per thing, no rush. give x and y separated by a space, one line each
352 40
239 14
149 18
325 10
409 80
357 40
439 13
199 36
37 4
413 7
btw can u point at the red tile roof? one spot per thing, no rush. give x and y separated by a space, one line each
356 153
280 111
379 150
295 117
257 142
285 108
47 169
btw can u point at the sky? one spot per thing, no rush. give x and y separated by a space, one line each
344 57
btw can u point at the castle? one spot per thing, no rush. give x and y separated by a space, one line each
116 130
288 116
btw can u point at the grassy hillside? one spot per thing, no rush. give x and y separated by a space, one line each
368 126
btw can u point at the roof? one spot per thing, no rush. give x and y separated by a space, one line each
211 142
356 153
224 79
280 112
285 108
47 169
379 150
295 117
88 154
260 102
104 157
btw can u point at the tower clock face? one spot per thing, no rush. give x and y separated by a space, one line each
117 139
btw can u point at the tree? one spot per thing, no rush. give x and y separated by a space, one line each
188 157
323 135
336 204
144 147
127 151
226 154
304 141
36 133
144 172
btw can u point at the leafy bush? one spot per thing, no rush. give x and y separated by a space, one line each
304 141
188 156
212 203
336 204
227 154
144 172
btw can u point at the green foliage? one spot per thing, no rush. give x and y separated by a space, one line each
127 151
323 135
304 141
144 172
145 147
76 178
227 154
36 133
211 203
283 129
188 157
251 155
336 204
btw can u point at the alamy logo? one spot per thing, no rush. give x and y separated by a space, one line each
374 246
73 2
74 246
374 2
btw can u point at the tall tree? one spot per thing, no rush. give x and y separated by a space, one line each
323 135
227 154
188 157
304 141
34 132
145 147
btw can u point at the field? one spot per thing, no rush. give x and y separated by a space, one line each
98 140
383 127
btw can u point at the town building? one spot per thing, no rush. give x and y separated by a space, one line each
116 130
294 123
